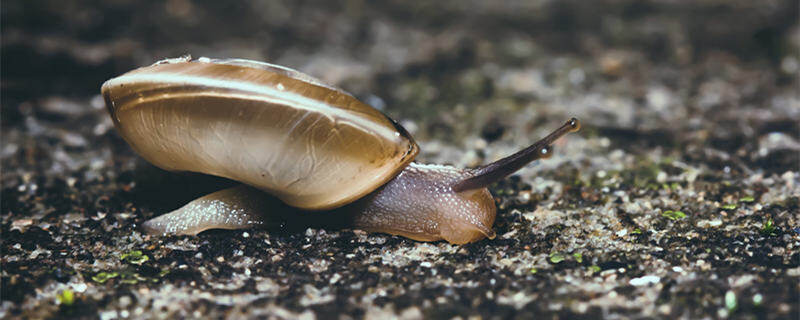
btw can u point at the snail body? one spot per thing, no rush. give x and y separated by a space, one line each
310 145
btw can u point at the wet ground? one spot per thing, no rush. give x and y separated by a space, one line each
678 198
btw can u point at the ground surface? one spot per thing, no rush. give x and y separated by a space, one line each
679 198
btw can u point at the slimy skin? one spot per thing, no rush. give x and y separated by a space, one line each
233 208
417 204
420 204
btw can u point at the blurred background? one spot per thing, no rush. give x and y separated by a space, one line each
653 65
686 106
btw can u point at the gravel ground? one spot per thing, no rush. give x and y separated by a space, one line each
678 198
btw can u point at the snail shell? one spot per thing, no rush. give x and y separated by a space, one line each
311 145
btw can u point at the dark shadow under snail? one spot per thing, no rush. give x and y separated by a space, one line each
310 145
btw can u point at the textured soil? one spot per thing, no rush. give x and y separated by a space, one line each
679 198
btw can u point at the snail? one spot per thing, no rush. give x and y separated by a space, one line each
312 146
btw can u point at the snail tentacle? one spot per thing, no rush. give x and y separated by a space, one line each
485 175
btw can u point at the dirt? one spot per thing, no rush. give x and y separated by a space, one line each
679 198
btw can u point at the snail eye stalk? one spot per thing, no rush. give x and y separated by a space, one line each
487 174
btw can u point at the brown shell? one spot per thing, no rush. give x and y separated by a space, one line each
312 145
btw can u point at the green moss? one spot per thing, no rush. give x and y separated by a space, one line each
673 215
556 257
102 277
652 186
642 175
128 275
747 199
730 206
730 300
768 229
758 299
132 278
134 257
646 174
66 297
595 268
578 257
534 271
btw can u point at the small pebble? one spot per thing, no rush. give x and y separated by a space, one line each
644 280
